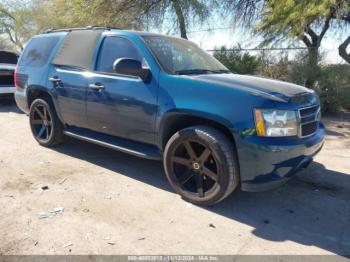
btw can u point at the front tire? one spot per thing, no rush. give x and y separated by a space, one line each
47 129
201 165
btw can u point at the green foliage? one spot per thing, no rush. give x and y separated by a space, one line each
176 14
332 83
290 18
275 70
300 71
80 13
238 62
16 24
334 88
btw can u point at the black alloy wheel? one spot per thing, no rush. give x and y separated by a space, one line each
44 123
195 167
201 165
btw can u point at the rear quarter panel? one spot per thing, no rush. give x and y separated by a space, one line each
35 77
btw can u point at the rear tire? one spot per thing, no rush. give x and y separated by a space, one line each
201 165
46 127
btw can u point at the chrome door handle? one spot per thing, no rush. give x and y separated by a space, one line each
96 87
55 79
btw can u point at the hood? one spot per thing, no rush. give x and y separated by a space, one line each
273 89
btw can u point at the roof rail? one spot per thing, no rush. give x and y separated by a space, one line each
90 27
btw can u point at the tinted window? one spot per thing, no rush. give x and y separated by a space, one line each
77 49
38 51
8 57
114 48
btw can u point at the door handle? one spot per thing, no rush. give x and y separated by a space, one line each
96 87
55 79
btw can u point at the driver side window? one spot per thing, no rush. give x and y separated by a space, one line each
114 48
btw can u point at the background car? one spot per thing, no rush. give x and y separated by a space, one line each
8 61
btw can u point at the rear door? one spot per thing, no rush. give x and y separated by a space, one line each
69 75
125 106
70 87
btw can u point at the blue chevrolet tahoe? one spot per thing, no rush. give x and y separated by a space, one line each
161 97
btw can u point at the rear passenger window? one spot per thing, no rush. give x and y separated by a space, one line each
38 51
114 48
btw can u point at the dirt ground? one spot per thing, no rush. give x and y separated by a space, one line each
114 203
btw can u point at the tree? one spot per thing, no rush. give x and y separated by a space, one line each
344 18
15 22
299 19
343 50
5 45
81 13
181 12
21 19
306 20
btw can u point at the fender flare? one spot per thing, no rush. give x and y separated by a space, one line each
168 119
47 91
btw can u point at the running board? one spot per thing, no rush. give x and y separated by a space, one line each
119 144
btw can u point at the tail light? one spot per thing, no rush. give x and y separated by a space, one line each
15 76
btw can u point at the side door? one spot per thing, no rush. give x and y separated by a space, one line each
124 105
70 88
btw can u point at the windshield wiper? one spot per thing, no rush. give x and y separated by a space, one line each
200 71
192 71
220 71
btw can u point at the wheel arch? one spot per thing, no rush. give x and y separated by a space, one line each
175 121
34 92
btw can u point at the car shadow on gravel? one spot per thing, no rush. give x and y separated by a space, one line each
313 209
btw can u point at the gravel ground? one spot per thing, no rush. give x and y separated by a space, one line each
79 198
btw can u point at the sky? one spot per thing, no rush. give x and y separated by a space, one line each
223 34
229 38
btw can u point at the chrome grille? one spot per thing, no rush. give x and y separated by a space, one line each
308 110
309 118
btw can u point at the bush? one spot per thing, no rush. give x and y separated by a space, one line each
333 88
277 70
332 84
238 62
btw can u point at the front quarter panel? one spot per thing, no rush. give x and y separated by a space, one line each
224 105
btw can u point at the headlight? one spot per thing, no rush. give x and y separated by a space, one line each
274 123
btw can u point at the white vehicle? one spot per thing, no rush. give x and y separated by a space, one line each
8 61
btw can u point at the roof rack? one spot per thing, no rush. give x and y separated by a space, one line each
90 27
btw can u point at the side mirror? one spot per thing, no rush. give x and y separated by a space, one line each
128 66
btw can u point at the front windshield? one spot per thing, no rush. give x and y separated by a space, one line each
178 56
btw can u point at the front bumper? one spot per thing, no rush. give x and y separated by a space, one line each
266 163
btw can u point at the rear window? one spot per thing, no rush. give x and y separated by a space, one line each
8 57
77 49
38 51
